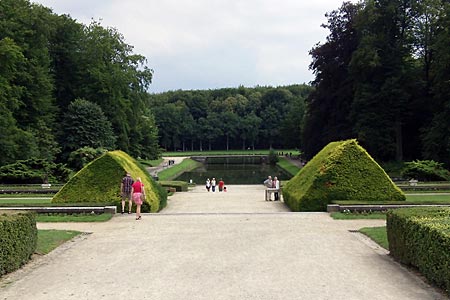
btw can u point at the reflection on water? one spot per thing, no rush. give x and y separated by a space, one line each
234 173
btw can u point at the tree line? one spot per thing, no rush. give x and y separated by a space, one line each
383 76
230 118
65 86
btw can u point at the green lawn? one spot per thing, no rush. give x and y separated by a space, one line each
378 234
424 197
50 239
24 201
151 163
73 218
172 172
288 166
356 216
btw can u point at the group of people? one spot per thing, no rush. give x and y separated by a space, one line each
273 184
211 185
133 191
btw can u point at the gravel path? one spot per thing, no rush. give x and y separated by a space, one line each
231 245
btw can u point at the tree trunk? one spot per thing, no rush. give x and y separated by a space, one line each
201 145
227 141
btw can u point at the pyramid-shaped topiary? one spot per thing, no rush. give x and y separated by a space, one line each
340 171
99 182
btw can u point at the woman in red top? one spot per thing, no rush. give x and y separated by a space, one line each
138 192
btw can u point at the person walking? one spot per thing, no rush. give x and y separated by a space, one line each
138 191
221 185
125 190
213 184
268 184
208 184
276 185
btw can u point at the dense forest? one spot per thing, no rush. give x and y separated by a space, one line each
65 86
231 118
382 76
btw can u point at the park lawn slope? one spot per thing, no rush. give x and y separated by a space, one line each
340 171
99 182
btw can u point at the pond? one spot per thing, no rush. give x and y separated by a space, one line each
234 173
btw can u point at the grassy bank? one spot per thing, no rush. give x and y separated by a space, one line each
377 234
288 166
73 217
174 171
50 239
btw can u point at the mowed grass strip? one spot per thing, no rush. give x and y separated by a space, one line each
358 216
176 170
50 239
288 166
377 234
44 218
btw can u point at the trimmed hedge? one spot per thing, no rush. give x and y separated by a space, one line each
99 182
340 171
18 240
180 186
420 237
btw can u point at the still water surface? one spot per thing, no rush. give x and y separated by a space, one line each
234 173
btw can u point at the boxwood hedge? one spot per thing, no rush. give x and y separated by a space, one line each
420 237
18 239
340 171
99 182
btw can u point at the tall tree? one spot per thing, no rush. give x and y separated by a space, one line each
328 106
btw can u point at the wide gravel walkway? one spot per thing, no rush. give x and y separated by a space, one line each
231 245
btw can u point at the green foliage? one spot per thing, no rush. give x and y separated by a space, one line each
180 186
18 237
81 157
85 125
34 171
420 237
341 171
273 157
231 118
426 170
99 182
82 217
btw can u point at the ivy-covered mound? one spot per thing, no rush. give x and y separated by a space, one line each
340 171
99 182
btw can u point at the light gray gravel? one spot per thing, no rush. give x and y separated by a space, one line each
230 245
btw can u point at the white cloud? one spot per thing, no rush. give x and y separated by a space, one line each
214 43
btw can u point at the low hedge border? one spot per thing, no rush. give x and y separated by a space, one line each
18 239
420 237
180 186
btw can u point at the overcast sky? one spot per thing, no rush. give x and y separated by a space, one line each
208 44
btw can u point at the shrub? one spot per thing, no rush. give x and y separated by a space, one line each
420 237
34 170
273 157
99 182
340 171
18 239
425 170
180 186
81 157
